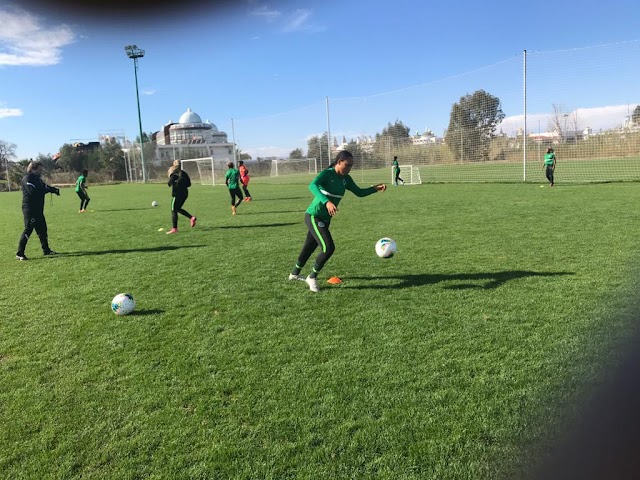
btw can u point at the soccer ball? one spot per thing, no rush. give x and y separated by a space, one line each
154 204
386 247
123 304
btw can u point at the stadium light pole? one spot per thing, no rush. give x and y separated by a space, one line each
135 53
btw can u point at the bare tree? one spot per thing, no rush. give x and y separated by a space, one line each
7 151
558 121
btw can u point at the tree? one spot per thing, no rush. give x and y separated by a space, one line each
635 116
318 148
392 137
7 152
110 158
297 153
472 125
558 121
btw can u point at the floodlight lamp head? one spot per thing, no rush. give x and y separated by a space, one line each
133 51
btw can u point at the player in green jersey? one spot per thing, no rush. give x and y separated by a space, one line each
328 188
81 190
550 165
396 172
232 180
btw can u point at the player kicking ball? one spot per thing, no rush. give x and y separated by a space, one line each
328 188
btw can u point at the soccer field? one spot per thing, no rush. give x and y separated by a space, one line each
459 358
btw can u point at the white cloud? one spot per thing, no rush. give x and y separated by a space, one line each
10 112
596 118
265 12
148 91
24 40
298 21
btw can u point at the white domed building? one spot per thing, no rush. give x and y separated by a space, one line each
191 138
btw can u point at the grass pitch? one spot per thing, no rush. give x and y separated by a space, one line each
461 357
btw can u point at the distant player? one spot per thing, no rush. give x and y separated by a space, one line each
396 172
179 182
244 180
81 190
232 180
328 188
33 193
550 165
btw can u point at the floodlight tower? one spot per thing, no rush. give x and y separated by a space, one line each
134 52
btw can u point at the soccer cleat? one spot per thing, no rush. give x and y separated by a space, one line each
50 252
313 284
21 257
193 221
296 277
233 209
173 230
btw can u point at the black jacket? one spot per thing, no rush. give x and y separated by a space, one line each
33 192
179 183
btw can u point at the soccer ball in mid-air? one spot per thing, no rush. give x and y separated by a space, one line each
386 247
154 204
123 304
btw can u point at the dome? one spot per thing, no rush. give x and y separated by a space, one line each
213 126
190 117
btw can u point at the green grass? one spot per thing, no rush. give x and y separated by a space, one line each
459 358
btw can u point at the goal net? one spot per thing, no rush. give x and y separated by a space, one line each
294 166
408 173
206 170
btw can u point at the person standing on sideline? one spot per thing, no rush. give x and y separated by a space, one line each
81 190
396 172
244 180
179 182
328 188
550 165
33 193
232 180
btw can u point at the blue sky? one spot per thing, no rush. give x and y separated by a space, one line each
64 77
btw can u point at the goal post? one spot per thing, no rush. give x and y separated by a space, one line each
293 166
409 173
207 170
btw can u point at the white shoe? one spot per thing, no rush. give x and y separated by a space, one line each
313 284
296 277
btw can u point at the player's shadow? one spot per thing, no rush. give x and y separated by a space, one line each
124 209
145 312
484 281
265 225
271 212
162 248
282 198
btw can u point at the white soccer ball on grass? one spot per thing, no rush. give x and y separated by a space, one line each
123 304
386 247
154 204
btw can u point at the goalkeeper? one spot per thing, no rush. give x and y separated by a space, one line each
81 190
33 193
396 172
550 165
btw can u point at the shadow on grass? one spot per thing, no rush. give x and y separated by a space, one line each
490 279
259 226
162 248
281 198
147 311
269 212
123 209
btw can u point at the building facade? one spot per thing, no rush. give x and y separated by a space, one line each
190 137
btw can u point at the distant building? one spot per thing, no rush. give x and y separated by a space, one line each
190 137
427 138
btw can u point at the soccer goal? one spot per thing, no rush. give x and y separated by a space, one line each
206 170
409 173
293 166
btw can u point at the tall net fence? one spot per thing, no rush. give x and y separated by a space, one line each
491 124
474 127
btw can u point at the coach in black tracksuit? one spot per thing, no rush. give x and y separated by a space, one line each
33 193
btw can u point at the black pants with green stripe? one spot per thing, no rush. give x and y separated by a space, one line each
176 208
317 236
